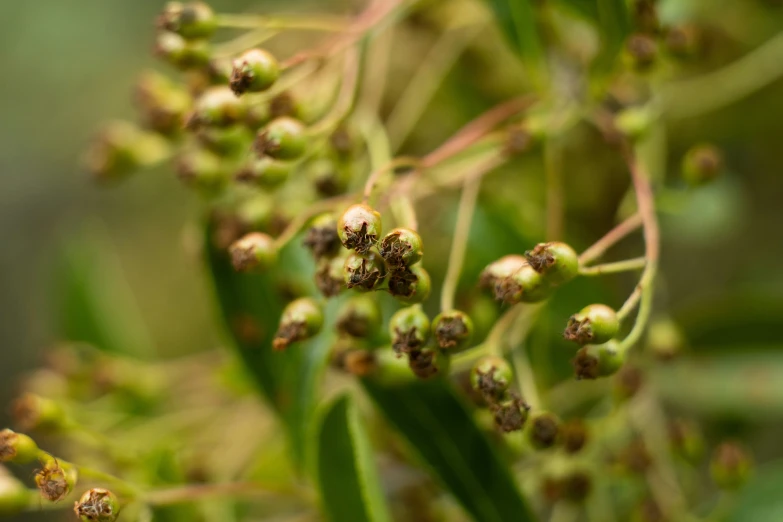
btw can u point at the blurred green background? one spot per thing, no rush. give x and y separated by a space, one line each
69 66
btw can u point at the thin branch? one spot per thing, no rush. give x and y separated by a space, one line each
611 238
192 493
248 21
627 265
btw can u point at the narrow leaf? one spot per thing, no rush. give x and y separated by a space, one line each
518 22
441 430
347 476
250 306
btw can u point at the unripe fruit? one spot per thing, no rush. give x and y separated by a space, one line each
181 53
401 247
574 435
359 317
524 285
359 227
410 285
17 447
576 486
555 261
360 363
97 505
217 107
594 324
511 414
189 20
683 41
282 138
56 479
427 362
33 412
321 237
364 272
328 177
665 339
702 164
302 319
14 497
265 172
544 430
409 329
641 51
120 149
501 269
627 382
598 360
730 466
224 141
453 330
330 275
253 251
491 377
201 169
163 104
686 440
255 70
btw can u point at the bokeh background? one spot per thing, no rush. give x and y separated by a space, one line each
69 66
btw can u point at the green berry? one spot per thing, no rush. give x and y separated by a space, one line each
501 269
56 479
574 435
730 466
265 172
665 339
686 440
577 486
14 497
282 138
401 247
202 169
544 430
702 164
409 329
330 275
524 285
301 320
359 317
321 237
97 505
555 261
427 363
491 377
453 330
181 53
255 70
360 363
217 107
120 149
364 272
410 285
33 412
253 251
163 105
17 447
359 228
594 324
510 414
641 51
328 177
598 360
189 20
224 141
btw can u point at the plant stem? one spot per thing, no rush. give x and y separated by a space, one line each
637 263
192 493
345 97
459 243
120 486
248 21
299 221
554 190
612 237
522 368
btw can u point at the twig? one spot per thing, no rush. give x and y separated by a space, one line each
459 243
192 493
612 237
248 21
636 263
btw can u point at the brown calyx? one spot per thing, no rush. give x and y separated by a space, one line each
289 333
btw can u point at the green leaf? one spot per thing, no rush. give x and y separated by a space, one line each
250 306
441 430
518 22
95 302
347 477
614 25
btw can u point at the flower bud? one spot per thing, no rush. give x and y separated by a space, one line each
17 447
409 329
14 497
574 435
410 285
544 430
321 237
255 70
359 317
97 505
302 319
253 251
282 138
598 360
33 412
491 377
702 164
594 324
730 466
189 20
216 107
56 479
524 285
555 261
510 414
330 275
264 173
359 228
427 362
401 247
364 273
453 330
202 170
181 53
